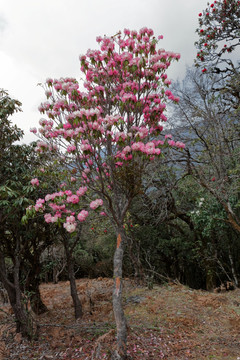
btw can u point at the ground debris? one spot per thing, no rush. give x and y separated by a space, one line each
169 322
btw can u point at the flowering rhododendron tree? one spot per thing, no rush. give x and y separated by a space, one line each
219 35
108 133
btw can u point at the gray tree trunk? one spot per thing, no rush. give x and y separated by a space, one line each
70 264
121 324
76 301
23 320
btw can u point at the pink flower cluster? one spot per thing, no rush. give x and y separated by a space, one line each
33 130
35 181
96 203
70 225
178 144
50 219
54 195
74 199
71 148
149 149
81 191
39 204
82 215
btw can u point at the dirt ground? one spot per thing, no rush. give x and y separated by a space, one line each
168 322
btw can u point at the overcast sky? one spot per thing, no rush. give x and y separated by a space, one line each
40 39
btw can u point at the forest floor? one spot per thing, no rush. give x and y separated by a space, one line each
168 322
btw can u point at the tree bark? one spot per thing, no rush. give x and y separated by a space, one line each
24 323
32 286
70 264
37 305
31 266
233 268
121 324
22 318
76 301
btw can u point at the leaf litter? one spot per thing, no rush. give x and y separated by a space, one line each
168 322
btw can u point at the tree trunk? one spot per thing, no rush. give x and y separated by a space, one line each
32 267
210 270
23 321
22 318
76 301
233 268
121 349
70 264
32 286
37 305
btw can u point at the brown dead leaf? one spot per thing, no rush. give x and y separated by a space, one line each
3 351
18 338
235 323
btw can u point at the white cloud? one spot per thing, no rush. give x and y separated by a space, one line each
3 23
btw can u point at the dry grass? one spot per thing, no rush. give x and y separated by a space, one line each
169 322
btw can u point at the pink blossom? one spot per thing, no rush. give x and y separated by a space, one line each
67 126
138 146
163 117
54 206
96 203
58 213
74 199
48 218
81 191
127 149
142 133
40 201
84 175
70 219
70 227
35 181
150 148
86 147
171 143
180 145
71 148
82 215
39 204
167 82
49 197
